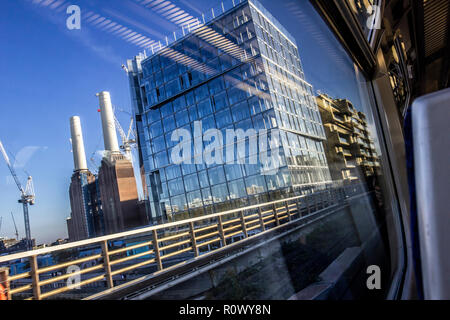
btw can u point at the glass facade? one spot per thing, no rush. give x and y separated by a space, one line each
242 70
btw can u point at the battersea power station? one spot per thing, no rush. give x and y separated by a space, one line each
107 202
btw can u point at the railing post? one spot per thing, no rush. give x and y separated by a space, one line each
275 214
244 227
299 212
193 240
288 210
35 278
307 198
156 250
322 199
261 221
221 233
107 265
4 281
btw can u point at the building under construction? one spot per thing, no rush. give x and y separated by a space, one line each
108 202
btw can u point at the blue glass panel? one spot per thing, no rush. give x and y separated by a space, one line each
255 106
220 100
153 115
147 69
165 191
182 118
194 199
219 192
169 141
197 77
161 159
201 92
223 118
203 177
226 62
208 123
159 78
185 81
165 61
216 85
162 174
173 87
156 129
255 184
188 168
161 93
204 108
240 111
236 94
216 175
237 189
158 144
244 124
179 103
233 171
190 98
193 114
151 97
191 182
175 187
207 197
173 172
166 109
169 124
156 64
178 203
258 122
170 72
214 64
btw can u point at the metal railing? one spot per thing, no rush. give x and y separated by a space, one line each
110 257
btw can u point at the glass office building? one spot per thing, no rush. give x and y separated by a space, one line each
241 70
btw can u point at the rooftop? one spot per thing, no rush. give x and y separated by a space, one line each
208 18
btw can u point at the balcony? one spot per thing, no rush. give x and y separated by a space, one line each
339 118
343 140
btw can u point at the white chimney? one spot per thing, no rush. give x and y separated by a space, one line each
108 124
79 155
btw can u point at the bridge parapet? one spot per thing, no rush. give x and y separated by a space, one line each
92 266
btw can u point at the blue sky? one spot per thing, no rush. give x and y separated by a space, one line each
50 73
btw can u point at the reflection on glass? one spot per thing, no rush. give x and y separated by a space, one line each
328 138
367 13
248 66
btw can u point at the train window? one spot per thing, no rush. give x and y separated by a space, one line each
255 151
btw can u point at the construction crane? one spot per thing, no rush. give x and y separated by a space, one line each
15 226
27 196
128 139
